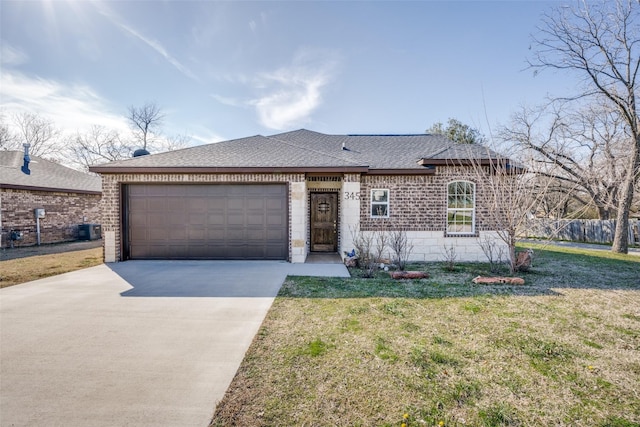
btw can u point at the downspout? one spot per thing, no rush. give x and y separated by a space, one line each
38 227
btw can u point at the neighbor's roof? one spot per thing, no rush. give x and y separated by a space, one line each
45 175
306 151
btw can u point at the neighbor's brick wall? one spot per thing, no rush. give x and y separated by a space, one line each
63 212
418 202
111 215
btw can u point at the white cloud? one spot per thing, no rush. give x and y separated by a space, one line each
10 55
154 44
71 107
226 100
292 93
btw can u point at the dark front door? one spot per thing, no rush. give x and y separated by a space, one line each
324 222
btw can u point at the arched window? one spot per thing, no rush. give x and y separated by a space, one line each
461 207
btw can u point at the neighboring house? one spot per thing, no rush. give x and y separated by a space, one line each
286 195
68 197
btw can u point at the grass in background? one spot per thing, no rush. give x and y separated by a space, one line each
21 270
564 349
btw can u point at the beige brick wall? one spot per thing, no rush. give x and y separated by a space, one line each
430 246
63 212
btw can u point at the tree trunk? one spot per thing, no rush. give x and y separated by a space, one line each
621 236
513 257
603 213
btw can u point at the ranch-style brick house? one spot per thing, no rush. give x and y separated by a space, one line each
283 196
68 197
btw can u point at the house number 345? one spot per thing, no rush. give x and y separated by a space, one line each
352 195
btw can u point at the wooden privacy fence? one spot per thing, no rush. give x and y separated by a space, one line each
580 230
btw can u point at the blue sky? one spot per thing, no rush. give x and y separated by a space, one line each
224 70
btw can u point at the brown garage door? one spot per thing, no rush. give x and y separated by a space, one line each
224 221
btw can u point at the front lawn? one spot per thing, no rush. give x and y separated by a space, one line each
564 349
21 270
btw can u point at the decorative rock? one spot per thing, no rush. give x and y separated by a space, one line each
524 260
351 261
494 280
408 275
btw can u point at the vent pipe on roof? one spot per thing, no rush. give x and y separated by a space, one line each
344 146
140 152
27 159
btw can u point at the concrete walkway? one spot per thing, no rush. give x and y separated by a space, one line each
144 343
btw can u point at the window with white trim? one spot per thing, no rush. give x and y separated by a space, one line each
461 207
379 203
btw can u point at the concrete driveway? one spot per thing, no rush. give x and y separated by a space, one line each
144 343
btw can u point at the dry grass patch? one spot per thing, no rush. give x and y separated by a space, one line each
370 352
21 270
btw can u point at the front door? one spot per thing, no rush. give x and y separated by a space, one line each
324 222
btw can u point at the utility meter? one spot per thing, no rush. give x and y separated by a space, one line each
39 213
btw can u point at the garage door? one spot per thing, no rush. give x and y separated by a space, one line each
225 221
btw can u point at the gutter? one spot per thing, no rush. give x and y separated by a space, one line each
49 189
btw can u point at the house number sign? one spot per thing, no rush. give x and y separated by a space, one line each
352 195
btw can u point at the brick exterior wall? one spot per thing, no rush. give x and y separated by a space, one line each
111 198
63 212
418 202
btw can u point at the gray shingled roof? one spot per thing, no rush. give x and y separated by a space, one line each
44 175
307 149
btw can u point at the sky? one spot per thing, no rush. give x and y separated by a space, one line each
222 70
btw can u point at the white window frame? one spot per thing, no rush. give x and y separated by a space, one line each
375 202
464 209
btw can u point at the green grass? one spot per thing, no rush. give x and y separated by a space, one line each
564 349
21 270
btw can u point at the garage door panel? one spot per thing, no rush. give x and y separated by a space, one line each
157 204
276 205
216 235
217 221
254 236
235 218
196 204
255 204
275 221
156 234
254 220
197 219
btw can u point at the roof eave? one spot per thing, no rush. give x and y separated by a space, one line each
455 162
231 170
48 189
421 171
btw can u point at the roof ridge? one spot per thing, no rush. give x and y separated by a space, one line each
313 150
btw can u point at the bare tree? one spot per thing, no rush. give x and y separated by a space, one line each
507 196
600 42
145 122
400 247
581 151
7 138
97 145
39 132
172 142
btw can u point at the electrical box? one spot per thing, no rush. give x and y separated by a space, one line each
39 213
89 232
